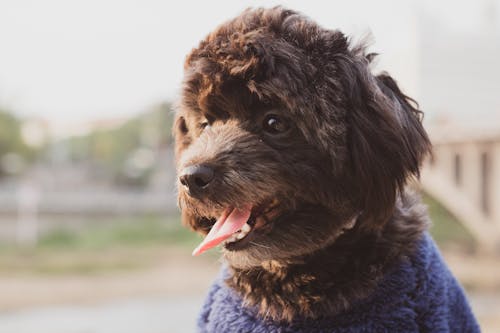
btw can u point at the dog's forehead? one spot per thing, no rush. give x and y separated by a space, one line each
255 74
233 99
219 96
257 63
211 92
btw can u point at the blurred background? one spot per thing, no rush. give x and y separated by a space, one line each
90 237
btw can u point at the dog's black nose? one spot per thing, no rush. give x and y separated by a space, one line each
196 178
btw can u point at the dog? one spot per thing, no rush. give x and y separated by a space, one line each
296 159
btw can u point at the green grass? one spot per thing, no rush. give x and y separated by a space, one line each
105 245
141 231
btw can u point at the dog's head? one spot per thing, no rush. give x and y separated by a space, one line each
284 138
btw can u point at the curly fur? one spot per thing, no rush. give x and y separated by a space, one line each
354 142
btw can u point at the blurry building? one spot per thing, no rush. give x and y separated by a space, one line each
464 175
459 90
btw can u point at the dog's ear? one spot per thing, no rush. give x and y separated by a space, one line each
386 139
182 139
180 132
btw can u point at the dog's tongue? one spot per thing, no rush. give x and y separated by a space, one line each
230 221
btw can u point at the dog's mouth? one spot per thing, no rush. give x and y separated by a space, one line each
235 226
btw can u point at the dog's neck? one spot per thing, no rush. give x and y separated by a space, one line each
330 280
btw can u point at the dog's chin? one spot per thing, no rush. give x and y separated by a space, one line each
278 243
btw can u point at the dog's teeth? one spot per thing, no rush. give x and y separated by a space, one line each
240 234
246 228
233 238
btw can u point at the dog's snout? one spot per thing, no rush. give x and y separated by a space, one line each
196 178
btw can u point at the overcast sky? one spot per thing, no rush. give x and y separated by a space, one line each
74 61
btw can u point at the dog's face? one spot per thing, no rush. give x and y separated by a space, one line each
284 137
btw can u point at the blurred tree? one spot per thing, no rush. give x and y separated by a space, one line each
126 153
14 152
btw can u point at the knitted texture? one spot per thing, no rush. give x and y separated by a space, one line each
418 295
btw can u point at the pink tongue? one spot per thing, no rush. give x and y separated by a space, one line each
230 221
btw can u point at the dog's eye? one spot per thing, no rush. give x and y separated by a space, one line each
204 125
274 125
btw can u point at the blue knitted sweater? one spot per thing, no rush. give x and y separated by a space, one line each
418 295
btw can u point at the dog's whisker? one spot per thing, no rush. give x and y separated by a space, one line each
261 245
